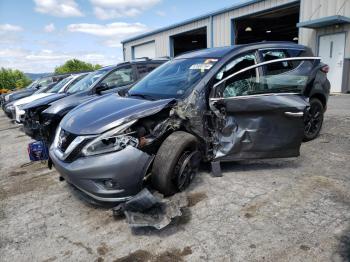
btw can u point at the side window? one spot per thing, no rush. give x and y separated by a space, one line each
142 70
240 84
77 80
45 82
151 67
281 67
278 67
145 69
119 77
247 83
236 65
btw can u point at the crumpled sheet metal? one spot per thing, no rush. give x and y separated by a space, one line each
152 210
241 132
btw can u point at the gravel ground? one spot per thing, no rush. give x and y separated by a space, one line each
267 210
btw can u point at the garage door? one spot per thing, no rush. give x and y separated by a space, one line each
145 50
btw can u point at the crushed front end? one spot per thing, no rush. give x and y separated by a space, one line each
112 166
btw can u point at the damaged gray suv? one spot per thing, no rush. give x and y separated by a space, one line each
222 104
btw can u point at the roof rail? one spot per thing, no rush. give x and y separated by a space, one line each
145 58
162 58
123 63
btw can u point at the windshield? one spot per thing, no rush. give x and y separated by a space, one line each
33 84
56 88
87 81
173 79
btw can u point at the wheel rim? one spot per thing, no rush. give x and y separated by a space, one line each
186 169
314 120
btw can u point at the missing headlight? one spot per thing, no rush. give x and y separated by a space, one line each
112 141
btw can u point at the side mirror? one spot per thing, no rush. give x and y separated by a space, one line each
123 91
100 88
38 86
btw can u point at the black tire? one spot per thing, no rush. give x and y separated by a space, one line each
171 153
313 120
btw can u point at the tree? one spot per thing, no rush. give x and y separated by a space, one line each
13 79
75 65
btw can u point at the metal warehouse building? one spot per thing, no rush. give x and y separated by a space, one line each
323 25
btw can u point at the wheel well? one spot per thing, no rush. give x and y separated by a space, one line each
320 97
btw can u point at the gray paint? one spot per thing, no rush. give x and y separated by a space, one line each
117 166
280 133
108 112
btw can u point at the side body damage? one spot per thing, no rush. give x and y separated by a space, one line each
221 105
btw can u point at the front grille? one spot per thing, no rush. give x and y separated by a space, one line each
64 140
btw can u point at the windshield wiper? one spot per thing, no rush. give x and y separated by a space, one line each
147 97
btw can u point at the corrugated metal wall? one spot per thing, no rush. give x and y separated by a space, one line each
221 24
314 9
162 39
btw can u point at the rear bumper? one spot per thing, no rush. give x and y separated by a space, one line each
124 169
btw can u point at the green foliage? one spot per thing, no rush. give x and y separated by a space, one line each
75 65
13 79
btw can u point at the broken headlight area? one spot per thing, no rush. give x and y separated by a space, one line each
112 141
144 134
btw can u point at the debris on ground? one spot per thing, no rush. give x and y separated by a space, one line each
151 210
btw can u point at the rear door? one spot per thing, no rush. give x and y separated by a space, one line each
260 115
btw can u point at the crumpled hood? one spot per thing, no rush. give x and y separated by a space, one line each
108 112
44 101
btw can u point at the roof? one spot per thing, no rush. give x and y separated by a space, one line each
224 10
325 21
137 61
216 52
219 52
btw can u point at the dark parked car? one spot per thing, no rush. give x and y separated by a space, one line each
37 86
222 104
42 118
56 93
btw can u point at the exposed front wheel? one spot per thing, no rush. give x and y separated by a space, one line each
313 120
176 163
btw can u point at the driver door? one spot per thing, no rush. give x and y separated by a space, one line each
260 115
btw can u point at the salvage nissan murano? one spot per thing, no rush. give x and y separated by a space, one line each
222 104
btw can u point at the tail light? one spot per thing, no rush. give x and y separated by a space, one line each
325 69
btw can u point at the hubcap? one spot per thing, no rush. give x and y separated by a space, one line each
314 120
186 169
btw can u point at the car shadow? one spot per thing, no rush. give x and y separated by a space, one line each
252 165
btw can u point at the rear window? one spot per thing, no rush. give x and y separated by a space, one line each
280 67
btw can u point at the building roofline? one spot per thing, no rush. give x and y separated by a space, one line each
325 21
188 21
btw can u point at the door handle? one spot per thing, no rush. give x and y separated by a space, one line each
294 114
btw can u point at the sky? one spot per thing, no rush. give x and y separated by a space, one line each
38 35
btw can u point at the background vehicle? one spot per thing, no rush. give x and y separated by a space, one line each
53 89
221 104
42 121
40 84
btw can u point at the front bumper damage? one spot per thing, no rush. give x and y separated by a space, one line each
40 127
151 210
113 177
